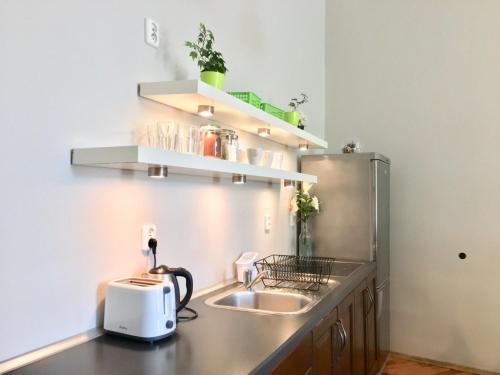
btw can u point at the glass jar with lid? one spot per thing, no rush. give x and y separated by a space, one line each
229 145
212 141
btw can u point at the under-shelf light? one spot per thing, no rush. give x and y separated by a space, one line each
239 179
288 184
264 132
206 110
303 147
158 171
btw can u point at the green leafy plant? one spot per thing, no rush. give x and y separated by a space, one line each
295 103
202 51
304 204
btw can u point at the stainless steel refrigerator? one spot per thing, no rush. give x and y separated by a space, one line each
353 222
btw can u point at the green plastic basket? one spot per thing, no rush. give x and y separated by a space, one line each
272 110
248 97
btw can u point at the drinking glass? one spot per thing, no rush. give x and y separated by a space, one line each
180 145
162 133
152 135
193 136
172 136
168 133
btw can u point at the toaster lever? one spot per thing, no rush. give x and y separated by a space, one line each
166 290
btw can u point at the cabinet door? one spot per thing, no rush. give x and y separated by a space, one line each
299 361
323 347
345 331
371 346
359 366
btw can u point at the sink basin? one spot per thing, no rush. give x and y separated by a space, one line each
272 302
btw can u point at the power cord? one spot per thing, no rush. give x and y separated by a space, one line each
181 319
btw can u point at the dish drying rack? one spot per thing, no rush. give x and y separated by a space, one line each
296 272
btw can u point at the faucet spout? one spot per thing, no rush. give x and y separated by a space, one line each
249 283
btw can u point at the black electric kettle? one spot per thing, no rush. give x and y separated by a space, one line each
171 274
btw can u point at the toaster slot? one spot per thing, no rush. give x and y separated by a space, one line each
140 282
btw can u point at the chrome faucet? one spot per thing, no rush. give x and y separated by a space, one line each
249 283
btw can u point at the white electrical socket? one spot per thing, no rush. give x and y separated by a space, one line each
267 223
151 32
148 232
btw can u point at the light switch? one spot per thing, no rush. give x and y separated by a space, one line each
151 32
267 223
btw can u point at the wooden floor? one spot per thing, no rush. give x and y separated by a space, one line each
401 366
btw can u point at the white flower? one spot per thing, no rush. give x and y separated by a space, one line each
315 203
293 205
306 186
303 118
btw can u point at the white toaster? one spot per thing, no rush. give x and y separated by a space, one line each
140 308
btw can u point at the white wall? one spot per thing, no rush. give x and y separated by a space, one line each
420 82
68 77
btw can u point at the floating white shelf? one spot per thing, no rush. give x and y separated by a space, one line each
140 158
188 95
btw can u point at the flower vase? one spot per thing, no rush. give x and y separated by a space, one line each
305 240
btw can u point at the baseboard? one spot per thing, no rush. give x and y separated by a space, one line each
382 368
35 355
441 364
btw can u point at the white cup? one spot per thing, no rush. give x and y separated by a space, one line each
267 158
254 155
278 160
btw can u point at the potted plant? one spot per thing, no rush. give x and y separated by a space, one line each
293 116
304 205
302 120
210 62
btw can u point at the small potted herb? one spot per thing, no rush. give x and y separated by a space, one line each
293 116
302 120
210 62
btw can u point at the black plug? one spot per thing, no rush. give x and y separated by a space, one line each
152 244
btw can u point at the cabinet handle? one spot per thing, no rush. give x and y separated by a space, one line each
340 347
345 335
371 298
342 334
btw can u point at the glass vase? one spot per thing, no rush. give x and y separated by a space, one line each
305 240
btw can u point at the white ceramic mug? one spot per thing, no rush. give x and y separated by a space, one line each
267 158
254 155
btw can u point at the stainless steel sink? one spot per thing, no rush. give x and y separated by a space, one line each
265 301
269 300
284 300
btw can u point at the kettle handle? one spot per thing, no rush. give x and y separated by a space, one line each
182 272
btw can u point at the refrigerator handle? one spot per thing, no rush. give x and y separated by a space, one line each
374 246
380 299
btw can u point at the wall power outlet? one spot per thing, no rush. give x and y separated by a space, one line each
151 32
148 232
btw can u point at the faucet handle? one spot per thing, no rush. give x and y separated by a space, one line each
247 276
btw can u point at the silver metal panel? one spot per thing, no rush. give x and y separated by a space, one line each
382 218
343 228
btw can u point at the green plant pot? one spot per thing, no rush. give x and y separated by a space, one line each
292 117
214 79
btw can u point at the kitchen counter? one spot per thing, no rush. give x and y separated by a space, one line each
219 342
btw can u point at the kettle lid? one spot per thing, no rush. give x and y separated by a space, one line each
160 270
